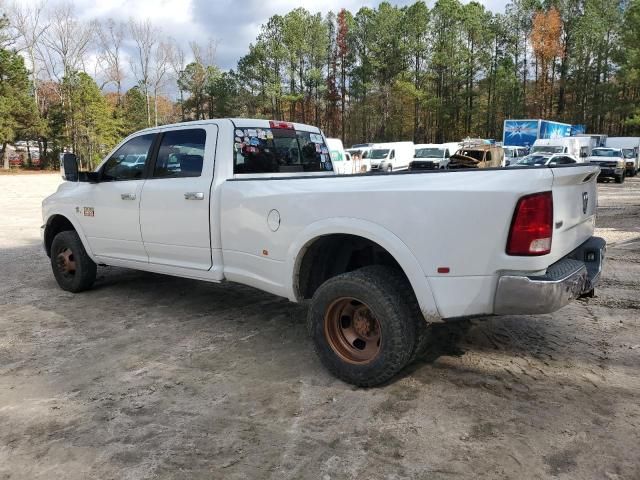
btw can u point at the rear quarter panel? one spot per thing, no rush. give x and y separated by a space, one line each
458 220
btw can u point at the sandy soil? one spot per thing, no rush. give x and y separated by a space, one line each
148 376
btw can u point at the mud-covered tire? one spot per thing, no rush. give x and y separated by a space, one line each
389 297
84 273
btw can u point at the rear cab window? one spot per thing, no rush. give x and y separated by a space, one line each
279 148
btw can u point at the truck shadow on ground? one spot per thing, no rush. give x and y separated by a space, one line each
130 298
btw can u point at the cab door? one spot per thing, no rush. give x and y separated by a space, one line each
109 210
174 208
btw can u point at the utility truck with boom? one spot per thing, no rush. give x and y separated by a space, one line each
257 202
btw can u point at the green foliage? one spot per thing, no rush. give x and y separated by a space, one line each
384 73
134 111
90 126
18 113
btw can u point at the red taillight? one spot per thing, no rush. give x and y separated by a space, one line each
532 225
278 124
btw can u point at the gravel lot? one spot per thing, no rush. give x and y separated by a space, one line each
148 376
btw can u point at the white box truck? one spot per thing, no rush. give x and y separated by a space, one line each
574 146
391 156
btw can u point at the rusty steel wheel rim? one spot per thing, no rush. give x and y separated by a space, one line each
66 261
352 330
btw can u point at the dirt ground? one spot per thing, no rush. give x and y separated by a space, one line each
148 376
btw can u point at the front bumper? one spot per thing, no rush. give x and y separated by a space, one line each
424 165
611 172
575 275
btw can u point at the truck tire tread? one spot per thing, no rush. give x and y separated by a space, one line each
385 291
86 269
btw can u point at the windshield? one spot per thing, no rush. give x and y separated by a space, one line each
475 154
628 152
531 160
378 154
603 152
429 153
547 149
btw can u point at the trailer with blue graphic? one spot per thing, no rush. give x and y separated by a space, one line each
522 133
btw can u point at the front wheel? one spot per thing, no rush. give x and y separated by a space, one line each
71 265
389 169
620 178
363 325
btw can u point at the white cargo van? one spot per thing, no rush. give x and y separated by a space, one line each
342 164
630 147
391 156
433 156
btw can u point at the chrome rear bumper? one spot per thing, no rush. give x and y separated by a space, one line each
576 274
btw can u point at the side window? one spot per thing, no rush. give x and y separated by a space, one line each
392 154
181 154
127 163
488 157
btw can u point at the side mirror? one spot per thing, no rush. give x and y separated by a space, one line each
70 167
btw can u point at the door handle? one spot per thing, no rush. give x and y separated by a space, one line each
128 196
194 196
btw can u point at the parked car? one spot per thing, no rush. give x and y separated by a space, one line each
430 156
544 160
611 162
512 154
374 268
391 156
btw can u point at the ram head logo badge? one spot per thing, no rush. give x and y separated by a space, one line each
585 202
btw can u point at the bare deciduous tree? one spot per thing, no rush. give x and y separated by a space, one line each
145 36
65 43
159 73
28 24
204 54
177 62
110 36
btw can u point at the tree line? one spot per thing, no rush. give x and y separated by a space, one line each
387 73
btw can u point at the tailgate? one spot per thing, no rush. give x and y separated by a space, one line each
575 198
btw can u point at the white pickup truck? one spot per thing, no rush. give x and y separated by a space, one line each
256 202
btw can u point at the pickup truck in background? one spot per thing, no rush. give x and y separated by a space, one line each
611 161
630 147
257 202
